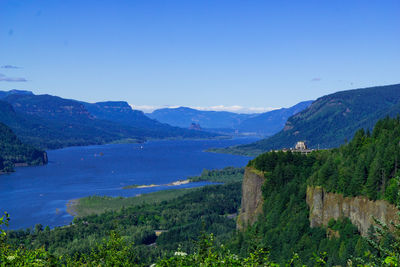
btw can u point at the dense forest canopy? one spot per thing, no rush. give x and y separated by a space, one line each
284 228
13 151
367 165
181 221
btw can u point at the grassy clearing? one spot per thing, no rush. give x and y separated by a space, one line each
99 204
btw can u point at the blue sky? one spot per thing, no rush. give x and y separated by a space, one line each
226 54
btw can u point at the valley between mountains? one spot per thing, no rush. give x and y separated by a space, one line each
335 203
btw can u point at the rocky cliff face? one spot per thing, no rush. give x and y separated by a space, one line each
360 210
252 199
324 206
45 158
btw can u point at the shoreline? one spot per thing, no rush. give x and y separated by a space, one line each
86 206
176 183
134 141
71 205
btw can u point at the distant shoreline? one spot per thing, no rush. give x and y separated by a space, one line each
176 183
140 141
71 205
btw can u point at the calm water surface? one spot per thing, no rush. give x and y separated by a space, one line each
39 194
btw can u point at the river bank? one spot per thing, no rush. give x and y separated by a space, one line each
176 183
99 204
82 207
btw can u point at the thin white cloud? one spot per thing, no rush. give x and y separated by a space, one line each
235 108
144 108
4 78
10 67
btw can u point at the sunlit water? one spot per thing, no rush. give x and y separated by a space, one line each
39 194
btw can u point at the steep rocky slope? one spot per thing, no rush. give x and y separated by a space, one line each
325 206
252 199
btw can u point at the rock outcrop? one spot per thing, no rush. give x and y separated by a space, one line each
323 206
360 210
45 158
252 200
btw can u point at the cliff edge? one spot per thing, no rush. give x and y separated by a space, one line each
252 199
360 210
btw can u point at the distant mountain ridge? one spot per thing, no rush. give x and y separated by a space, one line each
332 119
14 91
263 124
54 122
184 117
121 112
271 122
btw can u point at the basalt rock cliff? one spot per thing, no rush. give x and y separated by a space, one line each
360 210
252 200
323 205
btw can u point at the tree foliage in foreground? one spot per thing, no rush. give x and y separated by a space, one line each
115 251
180 220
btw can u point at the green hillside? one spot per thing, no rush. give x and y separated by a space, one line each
181 219
52 122
331 120
122 113
13 151
367 165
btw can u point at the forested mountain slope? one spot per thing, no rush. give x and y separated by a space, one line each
53 122
367 166
271 122
13 151
332 119
122 113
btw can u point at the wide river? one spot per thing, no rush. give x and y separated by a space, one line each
33 195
